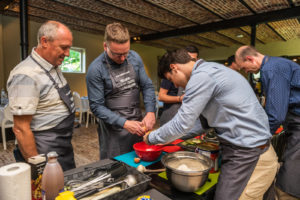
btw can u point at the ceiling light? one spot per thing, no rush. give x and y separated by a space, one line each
240 36
295 59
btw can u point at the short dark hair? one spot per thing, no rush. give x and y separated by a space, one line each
179 56
192 49
116 32
230 60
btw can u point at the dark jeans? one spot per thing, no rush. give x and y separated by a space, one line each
18 155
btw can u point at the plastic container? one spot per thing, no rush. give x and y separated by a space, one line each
66 195
3 97
53 178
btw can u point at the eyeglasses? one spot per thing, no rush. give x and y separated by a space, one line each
118 54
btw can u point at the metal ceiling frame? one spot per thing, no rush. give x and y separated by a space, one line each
231 23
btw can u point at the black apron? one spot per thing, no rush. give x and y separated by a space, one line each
125 101
288 178
237 165
59 137
171 111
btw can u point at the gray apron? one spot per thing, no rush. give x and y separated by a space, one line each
59 137
125 101
288 178
237 165
170 112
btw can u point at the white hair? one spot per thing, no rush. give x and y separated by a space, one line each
49 29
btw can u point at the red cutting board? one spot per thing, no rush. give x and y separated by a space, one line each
170 149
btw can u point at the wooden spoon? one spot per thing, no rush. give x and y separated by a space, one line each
143 169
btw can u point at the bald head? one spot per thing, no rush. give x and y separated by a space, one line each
248 59
54 42
51 29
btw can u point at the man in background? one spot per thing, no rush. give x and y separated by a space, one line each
280 80
40 98
232 64
114 82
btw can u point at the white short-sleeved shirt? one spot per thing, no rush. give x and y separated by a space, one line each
31 92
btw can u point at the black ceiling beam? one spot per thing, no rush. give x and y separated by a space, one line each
229 38
291 3
268 25
242 21
247 6
205 8
253 34
212 41
193 43
137 14
153 4
250 36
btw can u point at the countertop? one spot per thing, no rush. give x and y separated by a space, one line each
158 188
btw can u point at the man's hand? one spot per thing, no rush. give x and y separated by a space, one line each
149 121
134 127
145 138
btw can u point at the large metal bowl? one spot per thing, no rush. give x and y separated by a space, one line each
188 179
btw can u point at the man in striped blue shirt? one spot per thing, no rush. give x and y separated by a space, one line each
280 80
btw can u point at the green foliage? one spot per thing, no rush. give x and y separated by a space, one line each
72 63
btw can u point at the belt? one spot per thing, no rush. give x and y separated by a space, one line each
262 147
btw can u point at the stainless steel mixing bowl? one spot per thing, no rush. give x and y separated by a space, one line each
186 180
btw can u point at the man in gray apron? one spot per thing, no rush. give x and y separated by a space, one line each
225 99
114 81
280 80
40 98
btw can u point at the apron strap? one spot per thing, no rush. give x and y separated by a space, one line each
47 73
64 92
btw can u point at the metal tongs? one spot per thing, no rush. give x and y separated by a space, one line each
117 170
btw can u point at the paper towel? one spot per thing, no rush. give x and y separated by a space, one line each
15 182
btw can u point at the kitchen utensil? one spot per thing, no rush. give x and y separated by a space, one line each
152 152
143 169
186 174
128 181
115 171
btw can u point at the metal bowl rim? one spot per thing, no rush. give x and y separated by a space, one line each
190 173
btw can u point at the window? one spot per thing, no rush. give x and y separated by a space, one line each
75 63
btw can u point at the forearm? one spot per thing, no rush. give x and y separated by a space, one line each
25 137
170 99
105 114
